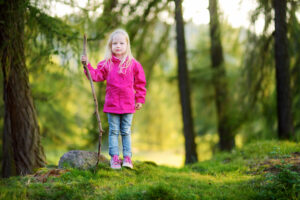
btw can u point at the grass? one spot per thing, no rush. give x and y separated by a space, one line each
242 174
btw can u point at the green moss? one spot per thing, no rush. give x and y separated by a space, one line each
225 176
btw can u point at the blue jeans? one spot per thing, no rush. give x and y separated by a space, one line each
119 123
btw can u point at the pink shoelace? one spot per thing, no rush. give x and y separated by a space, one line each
127 159
116 160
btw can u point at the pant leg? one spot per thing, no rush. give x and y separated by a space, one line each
114 130
126 121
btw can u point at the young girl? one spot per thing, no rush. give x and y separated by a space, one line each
125 93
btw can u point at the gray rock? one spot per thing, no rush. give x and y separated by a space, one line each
80 159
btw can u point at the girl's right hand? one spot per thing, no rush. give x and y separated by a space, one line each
83 59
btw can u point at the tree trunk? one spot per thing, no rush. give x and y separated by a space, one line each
22 151
285 122
184 90
225 131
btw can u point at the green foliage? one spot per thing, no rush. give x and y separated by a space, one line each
201 73
152 127
202 92
285 184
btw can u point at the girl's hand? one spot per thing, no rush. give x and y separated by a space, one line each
138 106
83 59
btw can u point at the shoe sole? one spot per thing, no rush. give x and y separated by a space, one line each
115 167
127 166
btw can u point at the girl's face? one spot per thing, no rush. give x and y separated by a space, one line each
119 45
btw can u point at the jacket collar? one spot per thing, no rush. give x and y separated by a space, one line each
115 59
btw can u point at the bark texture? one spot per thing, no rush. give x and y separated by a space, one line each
284 103
22 150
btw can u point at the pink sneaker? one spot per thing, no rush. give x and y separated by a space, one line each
115 162
127 162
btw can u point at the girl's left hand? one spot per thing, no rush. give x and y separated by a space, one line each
138 106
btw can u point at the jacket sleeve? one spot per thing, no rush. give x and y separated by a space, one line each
98 74
139 84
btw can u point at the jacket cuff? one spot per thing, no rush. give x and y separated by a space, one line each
140 100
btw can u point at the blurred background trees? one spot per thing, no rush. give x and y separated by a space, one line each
244 65
219 80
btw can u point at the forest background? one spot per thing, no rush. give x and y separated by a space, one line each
62 95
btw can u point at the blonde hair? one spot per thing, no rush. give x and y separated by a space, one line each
126 61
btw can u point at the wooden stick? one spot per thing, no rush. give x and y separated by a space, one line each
95 101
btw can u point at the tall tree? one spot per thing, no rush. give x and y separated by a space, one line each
22 150
284 104
260 67
184 90
225 130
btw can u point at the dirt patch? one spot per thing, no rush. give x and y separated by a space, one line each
271 165
42 176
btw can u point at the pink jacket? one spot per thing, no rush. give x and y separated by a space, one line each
123 90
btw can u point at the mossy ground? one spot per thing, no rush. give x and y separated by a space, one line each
242 174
